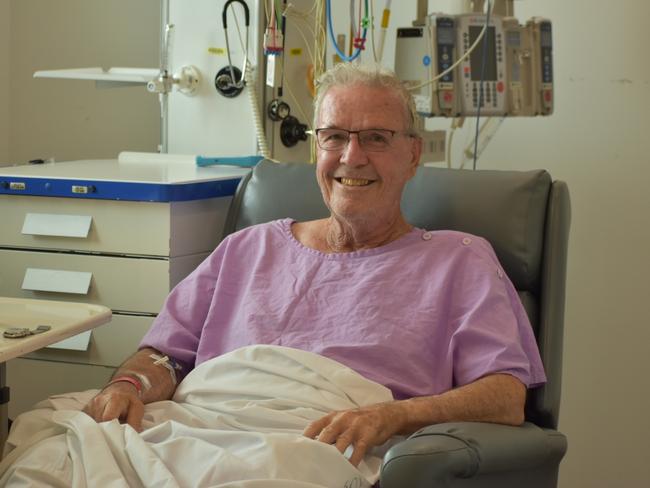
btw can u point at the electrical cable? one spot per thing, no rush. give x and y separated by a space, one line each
290 12
489 126
330 26
482 79
304 38
320 39
300 109
284 57
450 140
266 11
320 45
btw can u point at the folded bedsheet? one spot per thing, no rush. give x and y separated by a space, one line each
235 421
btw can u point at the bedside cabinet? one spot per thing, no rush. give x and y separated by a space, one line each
125 255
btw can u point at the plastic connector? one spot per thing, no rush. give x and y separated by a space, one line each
273 41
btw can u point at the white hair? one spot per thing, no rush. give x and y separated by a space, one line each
372 75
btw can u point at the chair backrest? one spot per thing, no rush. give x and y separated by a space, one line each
523 214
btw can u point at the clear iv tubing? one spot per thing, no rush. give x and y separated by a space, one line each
331 31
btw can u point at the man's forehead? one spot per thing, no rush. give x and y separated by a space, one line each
363 101
358 90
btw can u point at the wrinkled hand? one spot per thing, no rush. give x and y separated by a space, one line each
363 428
117 401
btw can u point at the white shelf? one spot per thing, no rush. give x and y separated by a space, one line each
119 75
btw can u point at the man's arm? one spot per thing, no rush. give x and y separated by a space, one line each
122 401
497 398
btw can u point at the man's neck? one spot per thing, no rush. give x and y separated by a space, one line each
342 236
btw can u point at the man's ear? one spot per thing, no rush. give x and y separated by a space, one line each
416 153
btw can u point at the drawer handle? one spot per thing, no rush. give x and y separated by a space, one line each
56 225
57 281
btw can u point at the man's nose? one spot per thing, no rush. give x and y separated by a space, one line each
353 154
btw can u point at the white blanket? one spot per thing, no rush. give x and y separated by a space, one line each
236 421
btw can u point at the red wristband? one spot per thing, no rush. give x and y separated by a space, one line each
128 379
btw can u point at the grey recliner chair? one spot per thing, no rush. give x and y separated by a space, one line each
526 217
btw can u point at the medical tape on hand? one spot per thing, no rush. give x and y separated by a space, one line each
168 363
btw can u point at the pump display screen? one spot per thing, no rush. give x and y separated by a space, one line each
445 36
476 58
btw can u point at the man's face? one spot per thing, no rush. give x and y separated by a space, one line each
358 184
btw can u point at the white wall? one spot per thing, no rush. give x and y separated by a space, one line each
596 141
72 119
5 35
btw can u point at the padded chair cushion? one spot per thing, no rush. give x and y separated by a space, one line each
507 208
477 204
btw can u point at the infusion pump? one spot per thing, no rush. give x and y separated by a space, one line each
513 75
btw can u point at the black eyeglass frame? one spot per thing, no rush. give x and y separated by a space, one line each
358 132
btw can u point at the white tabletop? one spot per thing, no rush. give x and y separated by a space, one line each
65 319
155 171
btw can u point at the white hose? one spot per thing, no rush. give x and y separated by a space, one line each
257 117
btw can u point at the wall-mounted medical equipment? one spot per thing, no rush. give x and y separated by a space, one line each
459 65
541 33
220 53
230 80
482 72
422 52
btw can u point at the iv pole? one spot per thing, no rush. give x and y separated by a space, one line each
164 96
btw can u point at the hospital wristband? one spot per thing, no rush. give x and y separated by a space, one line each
127 379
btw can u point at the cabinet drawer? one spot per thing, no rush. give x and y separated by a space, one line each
112 226
120 283
115 226
110 344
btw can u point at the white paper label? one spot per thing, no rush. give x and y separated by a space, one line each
75 343
56 225
57 281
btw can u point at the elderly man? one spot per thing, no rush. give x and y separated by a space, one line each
430 315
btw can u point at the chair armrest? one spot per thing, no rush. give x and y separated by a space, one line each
440 453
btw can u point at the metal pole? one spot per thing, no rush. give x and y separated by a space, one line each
164 97
478 6
504 8
422 11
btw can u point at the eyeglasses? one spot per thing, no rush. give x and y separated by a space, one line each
374 140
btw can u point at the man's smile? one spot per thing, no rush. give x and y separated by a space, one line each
353 181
